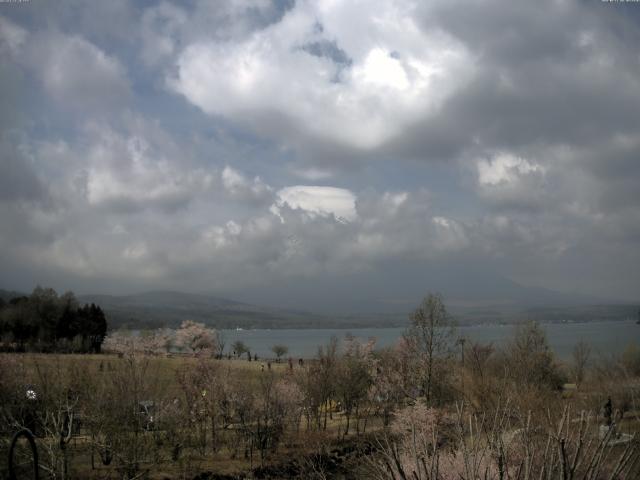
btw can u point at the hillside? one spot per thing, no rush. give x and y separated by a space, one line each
169 308
7 295
155 309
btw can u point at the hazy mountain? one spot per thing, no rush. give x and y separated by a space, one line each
7 295
170 308
471 298
402 286
163 299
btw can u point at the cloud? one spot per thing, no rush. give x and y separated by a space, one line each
360 99
76 73
18 180
510 181
505 169
245 143
404 225
12 37
166 28
129 171
312 173
160 26
316 200
240 187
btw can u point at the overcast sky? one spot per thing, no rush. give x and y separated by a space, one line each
268 150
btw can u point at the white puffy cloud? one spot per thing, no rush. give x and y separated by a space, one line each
512 181
128 172
505 168
317 200
312 74
307 235
137 167
402 225
166 27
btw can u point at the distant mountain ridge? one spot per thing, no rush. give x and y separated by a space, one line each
160 298
397 287
7 295
166 308
170 308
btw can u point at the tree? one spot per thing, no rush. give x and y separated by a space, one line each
45 322
47 308
631 359
427 444
581 353
155 342
60 387
93 327
239 348
530 360
120 342
353 378
313 393
388 389
279 351
429 339
268 416
196 337
481 388
326 375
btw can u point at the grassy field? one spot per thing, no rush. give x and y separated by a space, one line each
43 372
108 381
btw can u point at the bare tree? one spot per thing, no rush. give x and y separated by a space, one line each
387 389
431 445
309 382
581 354
353 379
279 351
326 376
530 359
239 348
117 417
58 389
261 411
631 359
430 340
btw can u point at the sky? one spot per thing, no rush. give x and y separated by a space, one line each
321 153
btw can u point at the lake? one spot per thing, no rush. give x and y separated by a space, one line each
605 338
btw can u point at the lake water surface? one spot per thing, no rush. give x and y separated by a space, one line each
605 338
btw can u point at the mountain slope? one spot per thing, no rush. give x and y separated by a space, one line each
7 295
169 308
402 286
470 296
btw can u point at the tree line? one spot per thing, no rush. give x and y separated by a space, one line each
47 322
